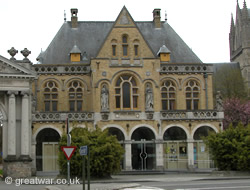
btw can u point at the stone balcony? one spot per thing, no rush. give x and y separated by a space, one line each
61 69
61 116
185 68
192 115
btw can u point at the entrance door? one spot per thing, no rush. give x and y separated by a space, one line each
50 155
143 155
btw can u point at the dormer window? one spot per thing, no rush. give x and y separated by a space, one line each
164 54
75 54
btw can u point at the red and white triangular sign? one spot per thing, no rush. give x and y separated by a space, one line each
68 151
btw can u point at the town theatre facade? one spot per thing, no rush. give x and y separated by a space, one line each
139 80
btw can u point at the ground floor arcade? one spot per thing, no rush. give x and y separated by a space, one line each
173 147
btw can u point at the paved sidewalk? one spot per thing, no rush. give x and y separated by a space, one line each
124 182
128 182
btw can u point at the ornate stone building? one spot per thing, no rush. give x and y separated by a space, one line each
15 113
139 80
239 39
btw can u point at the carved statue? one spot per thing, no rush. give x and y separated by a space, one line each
149 98
219 102
104 98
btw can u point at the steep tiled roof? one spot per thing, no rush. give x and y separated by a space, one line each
89 36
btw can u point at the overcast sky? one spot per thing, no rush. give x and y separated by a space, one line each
203 24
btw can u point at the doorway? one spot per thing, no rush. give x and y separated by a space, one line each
47 150
50 156
143 149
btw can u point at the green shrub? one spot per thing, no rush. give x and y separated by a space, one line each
230 148
105 153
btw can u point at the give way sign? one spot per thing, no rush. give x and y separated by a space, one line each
68 151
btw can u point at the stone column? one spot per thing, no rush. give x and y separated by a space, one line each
159 155
190 147
25 128
128 156
11 151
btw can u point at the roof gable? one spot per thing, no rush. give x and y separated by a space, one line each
12 69
125 24
90 37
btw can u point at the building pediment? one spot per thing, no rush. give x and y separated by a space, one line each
10 69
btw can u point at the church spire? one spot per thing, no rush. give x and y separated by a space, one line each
232 25
244 11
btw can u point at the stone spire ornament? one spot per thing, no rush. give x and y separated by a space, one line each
12 53
26 53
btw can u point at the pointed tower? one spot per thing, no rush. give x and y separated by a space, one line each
232 35
244 12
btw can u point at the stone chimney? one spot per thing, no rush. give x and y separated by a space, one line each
74 18
157 18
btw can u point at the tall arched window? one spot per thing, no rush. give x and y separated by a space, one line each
50 96
168 95
125 45
126 92
75 96
192 95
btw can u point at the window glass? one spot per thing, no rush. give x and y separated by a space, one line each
126 95
168 94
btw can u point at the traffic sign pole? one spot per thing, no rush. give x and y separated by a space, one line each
88 168
68 144
83 172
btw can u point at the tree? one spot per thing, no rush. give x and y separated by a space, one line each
236 111
230 148
229 82
105 153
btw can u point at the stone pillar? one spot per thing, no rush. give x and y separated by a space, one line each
25 128
159 155
128 156
190 147
11 151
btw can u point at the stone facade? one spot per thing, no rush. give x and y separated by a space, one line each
239 38
15 106
156 98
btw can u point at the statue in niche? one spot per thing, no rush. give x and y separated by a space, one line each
149 98
219 102
104 98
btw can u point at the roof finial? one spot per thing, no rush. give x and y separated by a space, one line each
166 16
64 16
244 4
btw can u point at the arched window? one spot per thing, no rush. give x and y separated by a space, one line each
136 48
114 47
125 45
168 95
75 96
50 96
126 92
192 95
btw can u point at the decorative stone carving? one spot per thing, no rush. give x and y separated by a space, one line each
219 102
150 116
124 19
104 98
12 52
149 98
105 116
26 53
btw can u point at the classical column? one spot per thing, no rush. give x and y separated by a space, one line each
11 126
128 156
25 127
190 147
